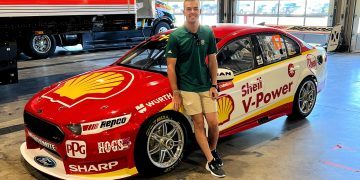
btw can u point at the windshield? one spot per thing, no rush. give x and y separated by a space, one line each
148 56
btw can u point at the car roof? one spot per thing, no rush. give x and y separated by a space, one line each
223 30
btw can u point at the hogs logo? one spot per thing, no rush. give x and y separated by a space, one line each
95 85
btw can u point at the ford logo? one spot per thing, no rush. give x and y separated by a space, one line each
45 161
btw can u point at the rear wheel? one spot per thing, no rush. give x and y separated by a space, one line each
305 99
39 47
161 144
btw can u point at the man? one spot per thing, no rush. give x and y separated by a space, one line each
194 82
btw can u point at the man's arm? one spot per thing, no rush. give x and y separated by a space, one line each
171 62
213 68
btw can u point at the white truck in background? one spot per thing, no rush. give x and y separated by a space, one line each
36 27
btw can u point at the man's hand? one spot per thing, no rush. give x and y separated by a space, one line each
213 93
177 101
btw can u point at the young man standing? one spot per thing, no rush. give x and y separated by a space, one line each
194 82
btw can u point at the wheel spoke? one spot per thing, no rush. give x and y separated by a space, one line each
155 150
164 129
171 133
177 143
171 154
156 137
162 156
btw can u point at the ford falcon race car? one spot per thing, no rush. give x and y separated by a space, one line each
118 121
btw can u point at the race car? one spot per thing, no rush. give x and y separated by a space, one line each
118 121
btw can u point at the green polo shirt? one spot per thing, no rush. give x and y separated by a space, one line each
191 69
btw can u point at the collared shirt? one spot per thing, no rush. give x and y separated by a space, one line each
191 50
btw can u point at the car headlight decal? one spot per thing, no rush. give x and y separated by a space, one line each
75 128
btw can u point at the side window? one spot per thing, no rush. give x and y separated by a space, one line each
237 56
293 48
272 47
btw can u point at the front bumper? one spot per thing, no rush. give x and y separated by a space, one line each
59 171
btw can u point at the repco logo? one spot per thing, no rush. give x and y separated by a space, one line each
76 149
113 122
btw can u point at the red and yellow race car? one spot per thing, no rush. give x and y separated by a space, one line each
118 121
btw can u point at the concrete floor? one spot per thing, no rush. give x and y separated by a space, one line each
323 146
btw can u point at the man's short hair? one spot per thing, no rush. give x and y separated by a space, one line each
190 1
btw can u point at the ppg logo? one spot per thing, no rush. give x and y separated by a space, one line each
76 149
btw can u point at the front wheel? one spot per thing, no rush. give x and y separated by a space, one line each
38 47
162 27
160 144
305 99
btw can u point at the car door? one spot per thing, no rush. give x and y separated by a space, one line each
279 72
236 100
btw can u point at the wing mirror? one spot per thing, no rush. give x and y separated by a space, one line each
224 75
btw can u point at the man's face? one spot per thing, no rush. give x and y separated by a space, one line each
191 11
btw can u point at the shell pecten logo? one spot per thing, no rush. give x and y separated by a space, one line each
99 82
98 85
225 105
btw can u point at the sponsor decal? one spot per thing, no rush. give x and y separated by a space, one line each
311 61
262 97
291 70
41 141
103 125
76 149
114 146
224 73
225 85
164 98
225 105
249 88
89 168
141 108
45 161
95 86
276 40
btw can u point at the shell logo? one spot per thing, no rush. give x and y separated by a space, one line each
225 105
95 85
99 82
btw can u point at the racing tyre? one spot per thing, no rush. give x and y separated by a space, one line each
161 27
161 144
305 99
39 47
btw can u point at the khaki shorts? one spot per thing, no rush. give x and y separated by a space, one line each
197 103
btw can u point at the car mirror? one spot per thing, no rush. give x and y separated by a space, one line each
224 75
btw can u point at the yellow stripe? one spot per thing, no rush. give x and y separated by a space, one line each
268 108
122 172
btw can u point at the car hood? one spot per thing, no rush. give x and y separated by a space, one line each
110 92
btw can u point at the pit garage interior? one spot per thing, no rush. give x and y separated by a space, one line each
325 145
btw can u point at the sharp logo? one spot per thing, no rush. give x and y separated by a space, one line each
76 149
141 108
103 125
114 146
93 167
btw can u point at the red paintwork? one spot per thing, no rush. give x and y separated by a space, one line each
147 86
64 2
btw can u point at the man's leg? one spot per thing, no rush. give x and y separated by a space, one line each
192 104
201 136
213 125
